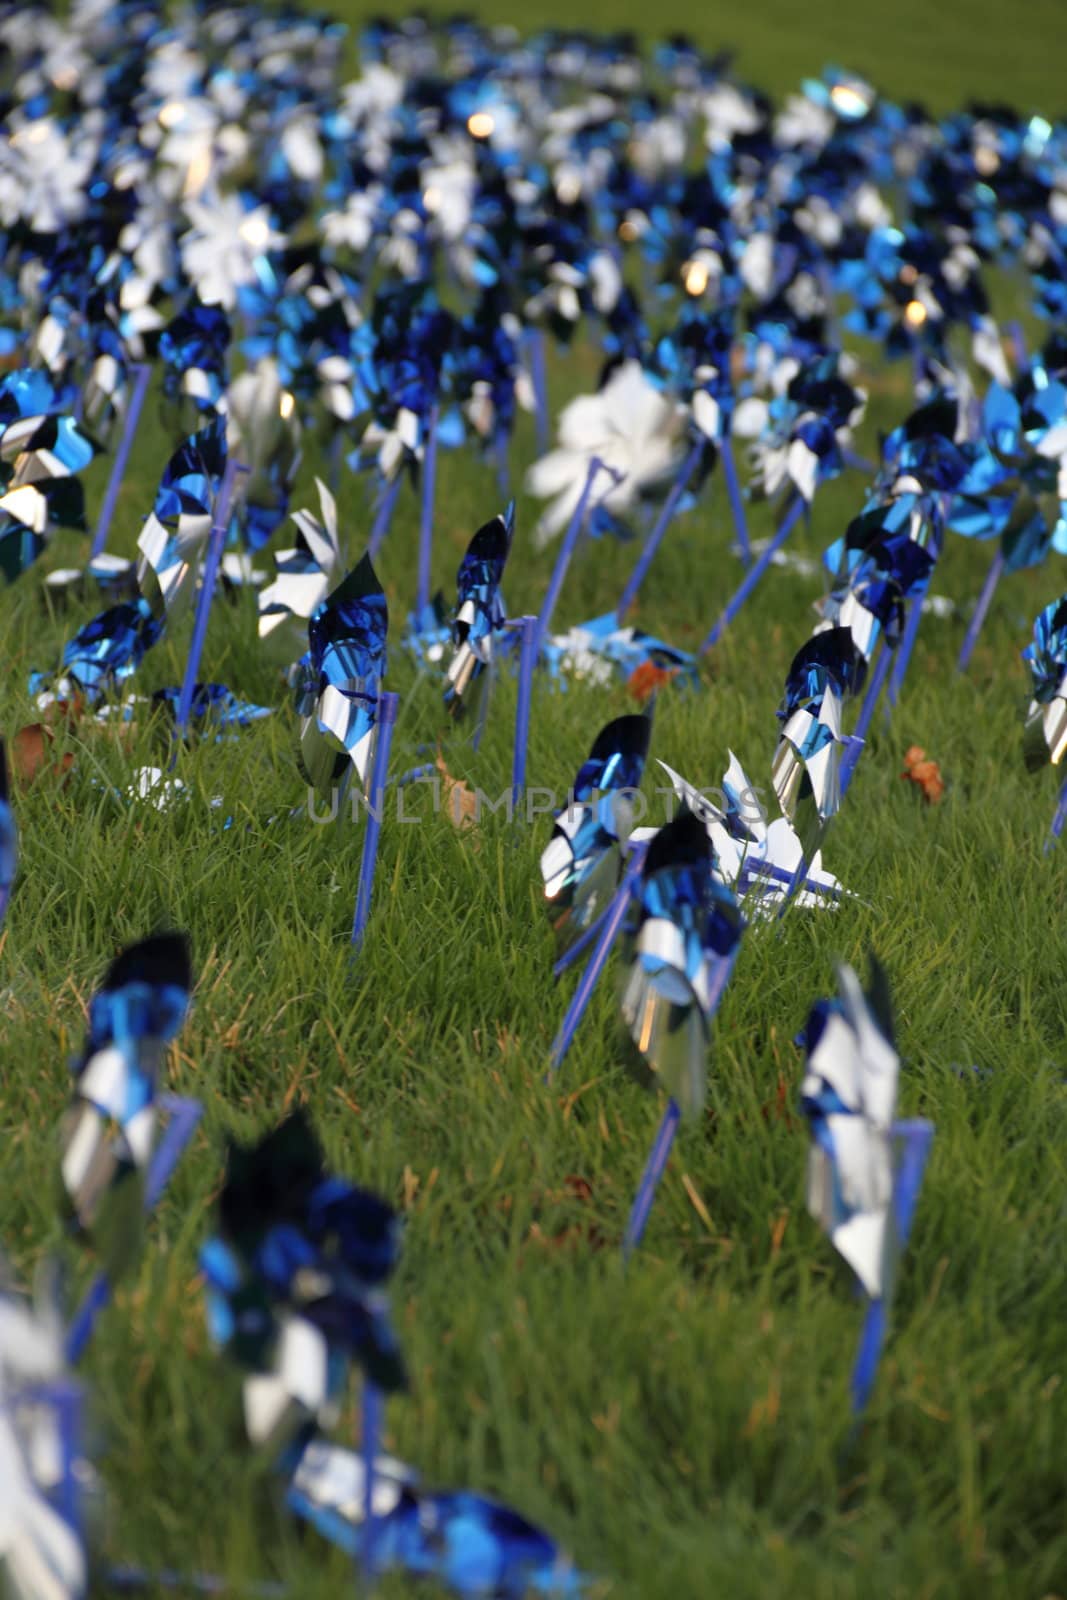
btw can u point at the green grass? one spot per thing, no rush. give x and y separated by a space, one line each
684 1429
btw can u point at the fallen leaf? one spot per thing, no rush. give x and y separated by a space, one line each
646 679
924 773
32 753
461 802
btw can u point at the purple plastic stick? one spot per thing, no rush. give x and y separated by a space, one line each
388 705
737 499
383 517
905 647
917 1137
859 463
527 663
655 1167
571 955
216 540
769 873
755 573
567 547
184 1116
429 486
655 537
659 1155
142 373
985 600
1058 820
611 924
535 343
503 470
855 746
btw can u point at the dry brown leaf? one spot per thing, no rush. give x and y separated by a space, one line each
924 773
646 679
461 802
32 753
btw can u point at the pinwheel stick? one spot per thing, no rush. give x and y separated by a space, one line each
388 706
659 528
917 1137
383 516
216 540
737 499
567 547
655 1167
660 1153
755 573
429 488
528 627
142 372
611 923
855 745
500 455
535 344
905 647
985 600
184 1115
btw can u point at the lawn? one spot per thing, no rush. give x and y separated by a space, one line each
682 1427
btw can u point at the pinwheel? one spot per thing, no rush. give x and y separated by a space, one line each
113 1166
924 461
595 650
346 718
107 650
628 427
227 246
193 349
297 1291
1016 490
761 861
339 679
8 838
860 1190
475 1547
42 1554
803 434
681 942
406 381
1045 733
304 572
884 563
805 772
42 452
582 861
263 426
213 705
480 616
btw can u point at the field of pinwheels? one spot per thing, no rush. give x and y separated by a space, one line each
530 903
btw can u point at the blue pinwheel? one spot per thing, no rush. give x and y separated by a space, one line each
339 680
115 1161
581 863
108 650
480 615
42 452
865 1169
682 936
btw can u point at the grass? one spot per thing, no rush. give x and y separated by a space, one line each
684 1429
